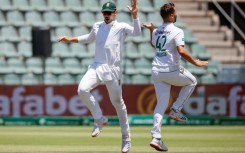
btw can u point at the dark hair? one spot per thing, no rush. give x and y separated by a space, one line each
166 9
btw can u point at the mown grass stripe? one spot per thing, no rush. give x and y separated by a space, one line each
77 139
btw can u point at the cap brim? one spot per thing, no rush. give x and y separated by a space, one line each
107 10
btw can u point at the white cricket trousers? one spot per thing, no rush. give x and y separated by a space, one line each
162 82
89 81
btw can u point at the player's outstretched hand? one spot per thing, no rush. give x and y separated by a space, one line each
151 27
201 63
133 8
148 26
63 39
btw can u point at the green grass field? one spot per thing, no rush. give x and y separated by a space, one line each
76 139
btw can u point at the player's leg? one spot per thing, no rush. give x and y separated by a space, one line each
188 81
163 94
162 90
115 93
89 81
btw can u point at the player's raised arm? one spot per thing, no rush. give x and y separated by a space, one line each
136 29
133 8
151 27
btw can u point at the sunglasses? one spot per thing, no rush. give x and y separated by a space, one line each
107 13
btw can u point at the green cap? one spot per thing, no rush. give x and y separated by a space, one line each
109 7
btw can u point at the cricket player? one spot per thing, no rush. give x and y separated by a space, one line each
109 36
168 41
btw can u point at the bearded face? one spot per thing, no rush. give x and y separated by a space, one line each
174 15
175 18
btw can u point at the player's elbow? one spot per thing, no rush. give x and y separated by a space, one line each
136 34
181 50
182 53
152 45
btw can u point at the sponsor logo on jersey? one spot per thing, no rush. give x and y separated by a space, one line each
159 32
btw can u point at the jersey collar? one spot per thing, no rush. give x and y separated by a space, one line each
166 24
112 23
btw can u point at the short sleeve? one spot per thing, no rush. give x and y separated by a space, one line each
180 39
